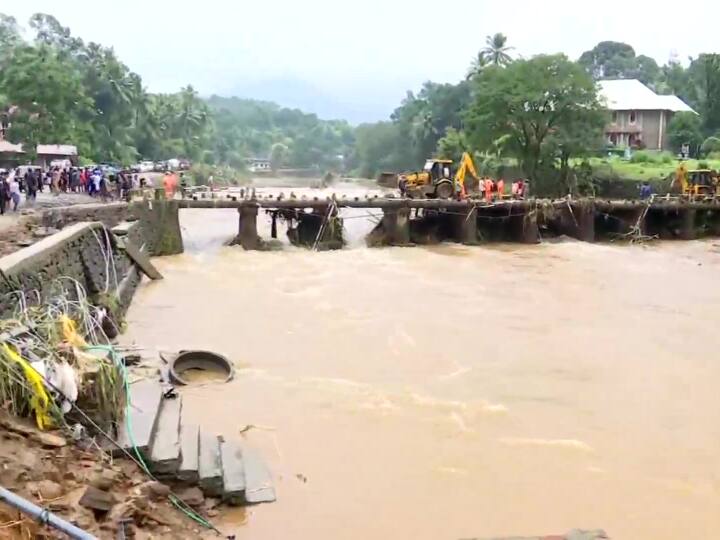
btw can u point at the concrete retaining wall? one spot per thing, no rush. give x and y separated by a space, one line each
85 252
158 221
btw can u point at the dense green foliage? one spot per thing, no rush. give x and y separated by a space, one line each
495 109
288 137
685 128
56 89
539 113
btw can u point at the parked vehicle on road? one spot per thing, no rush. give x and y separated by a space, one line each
145 166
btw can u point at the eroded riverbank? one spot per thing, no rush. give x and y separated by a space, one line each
455 391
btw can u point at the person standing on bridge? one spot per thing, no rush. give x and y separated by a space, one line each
489 185
645 190
501 188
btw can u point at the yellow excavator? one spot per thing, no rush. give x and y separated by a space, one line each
436 180
697 182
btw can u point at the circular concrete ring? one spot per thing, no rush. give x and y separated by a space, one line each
204 360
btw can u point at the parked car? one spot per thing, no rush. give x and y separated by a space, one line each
185 165
145 166
61 163
160 166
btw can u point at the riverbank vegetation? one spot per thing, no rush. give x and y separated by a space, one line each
542 114
55 88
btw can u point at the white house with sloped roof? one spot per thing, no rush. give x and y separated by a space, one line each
639 116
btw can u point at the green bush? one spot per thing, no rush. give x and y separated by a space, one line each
715 156
703 165
641 156
710 145
657 158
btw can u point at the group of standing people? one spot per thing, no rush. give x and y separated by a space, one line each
495 189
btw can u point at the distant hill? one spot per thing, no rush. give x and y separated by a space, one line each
298 94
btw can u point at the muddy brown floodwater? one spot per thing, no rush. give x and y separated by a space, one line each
454 392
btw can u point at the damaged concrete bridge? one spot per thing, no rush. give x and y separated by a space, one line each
317 222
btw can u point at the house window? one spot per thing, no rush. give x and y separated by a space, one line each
633 117
614 117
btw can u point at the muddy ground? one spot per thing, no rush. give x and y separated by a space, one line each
49 471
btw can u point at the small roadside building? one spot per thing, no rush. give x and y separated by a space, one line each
258 165
12 155
639 116
47 153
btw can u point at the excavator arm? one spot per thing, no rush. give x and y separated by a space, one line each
466 166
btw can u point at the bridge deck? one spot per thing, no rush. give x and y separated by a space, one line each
439 204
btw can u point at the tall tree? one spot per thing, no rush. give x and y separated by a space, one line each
532 105
46 94
496 51
685 128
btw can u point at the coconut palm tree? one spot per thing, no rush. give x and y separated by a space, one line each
496 51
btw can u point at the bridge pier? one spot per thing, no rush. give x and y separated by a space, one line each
576 219
687 224
524 227
247 228
395 226
322 229
466 226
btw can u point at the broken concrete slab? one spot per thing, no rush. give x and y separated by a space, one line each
259 486
96 499
209 468
165 453
233 473
189 453
140 258
144 400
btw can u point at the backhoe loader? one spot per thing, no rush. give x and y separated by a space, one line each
436 180
697 183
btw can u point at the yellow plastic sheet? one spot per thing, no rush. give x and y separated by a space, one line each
70 332
40 401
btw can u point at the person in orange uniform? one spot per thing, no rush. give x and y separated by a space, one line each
168 185
488 189
501 188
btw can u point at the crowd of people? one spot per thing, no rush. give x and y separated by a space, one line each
92 181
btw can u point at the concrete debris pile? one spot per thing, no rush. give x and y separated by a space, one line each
96 494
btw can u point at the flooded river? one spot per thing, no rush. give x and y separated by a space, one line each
456 392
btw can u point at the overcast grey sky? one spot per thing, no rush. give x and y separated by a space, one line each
364 53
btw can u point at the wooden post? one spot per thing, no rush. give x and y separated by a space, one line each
247 231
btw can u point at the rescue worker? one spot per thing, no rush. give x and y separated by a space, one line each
489 185
501 188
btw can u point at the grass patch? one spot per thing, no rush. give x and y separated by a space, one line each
651 168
